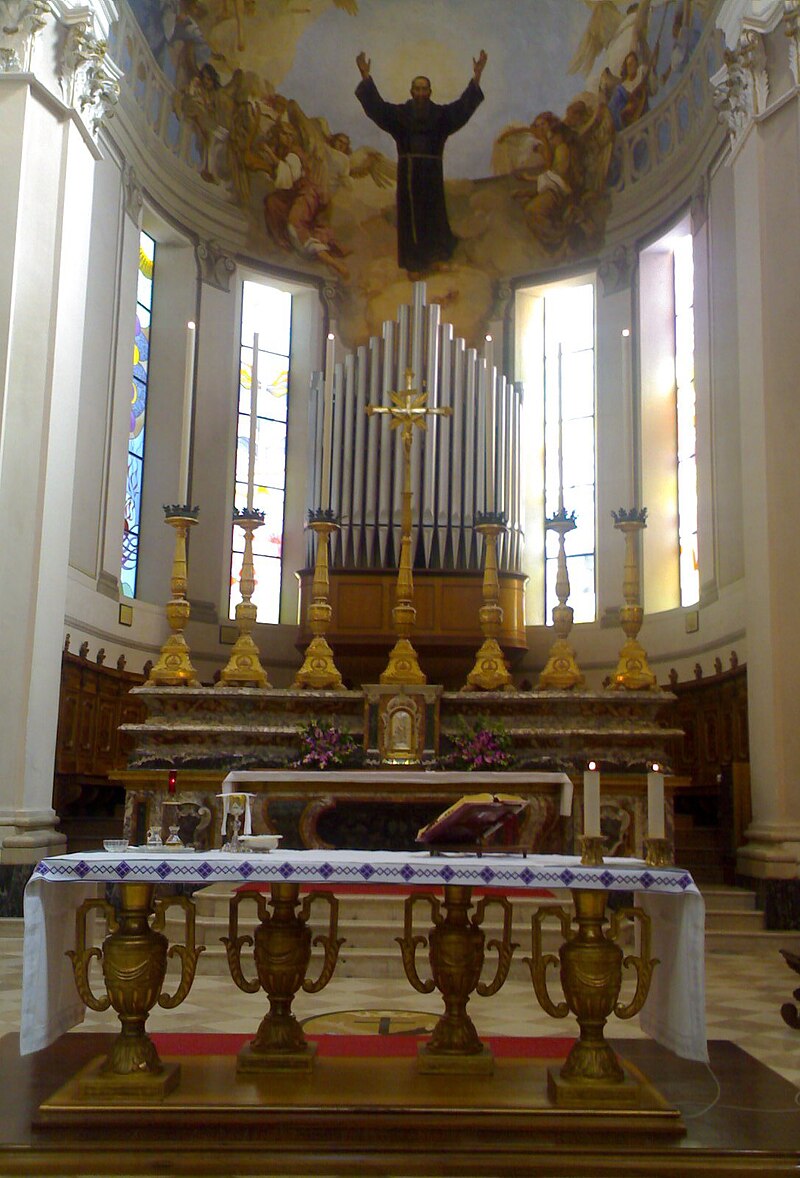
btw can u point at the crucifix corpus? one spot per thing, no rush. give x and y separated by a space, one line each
408 409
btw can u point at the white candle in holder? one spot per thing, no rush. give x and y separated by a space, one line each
655 804
591 802
327 423
186 424
251 452
490 439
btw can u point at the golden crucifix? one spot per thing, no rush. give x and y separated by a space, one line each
408 409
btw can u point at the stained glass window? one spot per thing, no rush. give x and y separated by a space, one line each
139 379
683 264
569 441
267 313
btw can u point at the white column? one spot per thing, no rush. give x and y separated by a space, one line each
45 191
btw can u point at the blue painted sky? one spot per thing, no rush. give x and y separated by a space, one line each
529 43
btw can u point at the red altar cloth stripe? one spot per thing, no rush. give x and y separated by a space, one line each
374 1046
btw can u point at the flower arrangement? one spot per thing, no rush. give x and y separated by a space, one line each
325 747
480 746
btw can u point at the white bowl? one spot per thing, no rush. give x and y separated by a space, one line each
260 842
115 845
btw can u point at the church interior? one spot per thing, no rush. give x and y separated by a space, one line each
413 552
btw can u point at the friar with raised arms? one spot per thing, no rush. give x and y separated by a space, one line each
420 129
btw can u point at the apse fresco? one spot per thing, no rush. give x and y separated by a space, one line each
268 88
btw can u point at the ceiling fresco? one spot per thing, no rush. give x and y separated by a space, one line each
527 99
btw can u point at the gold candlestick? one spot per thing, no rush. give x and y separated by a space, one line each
591 977
490 672
174 666
561 670
633 671
408 409
244 666
319 670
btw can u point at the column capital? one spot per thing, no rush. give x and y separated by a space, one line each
216 267
741 85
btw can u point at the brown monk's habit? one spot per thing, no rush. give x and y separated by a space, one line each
423 231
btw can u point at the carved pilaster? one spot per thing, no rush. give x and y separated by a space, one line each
89 78
20 22
741 86
216 267
616 269
134 197
791 27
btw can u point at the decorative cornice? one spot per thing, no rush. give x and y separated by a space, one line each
216 267
762 16
20 23
615 270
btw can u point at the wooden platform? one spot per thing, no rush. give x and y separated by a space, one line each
378 1116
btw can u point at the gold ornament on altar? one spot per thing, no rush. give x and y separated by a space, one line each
409 409
561 670
174 666
134 960
319 672
244 668
282 952
633 671
490 672
591 977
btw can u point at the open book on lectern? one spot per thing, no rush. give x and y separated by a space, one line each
472 820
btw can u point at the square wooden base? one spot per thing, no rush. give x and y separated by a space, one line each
630 1094
431 1063
249 1061
96 1087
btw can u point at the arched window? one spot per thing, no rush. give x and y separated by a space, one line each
669 435
266 322
556 359
136 438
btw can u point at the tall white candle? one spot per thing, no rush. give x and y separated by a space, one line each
628 457
560 437
655 804
327 422
591 802
490 439
251 450
186 424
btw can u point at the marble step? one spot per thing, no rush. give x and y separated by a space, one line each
725 898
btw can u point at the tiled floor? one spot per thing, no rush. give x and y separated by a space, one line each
744 994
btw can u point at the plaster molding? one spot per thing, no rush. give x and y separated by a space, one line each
698 206
216 267
616 269
791 27
735 16
20 23
133 194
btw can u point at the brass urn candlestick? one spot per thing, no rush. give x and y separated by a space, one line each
319 671
490 672
456 953
561 670
282 952
134 960
174 666
633 672
244 666
591 963
408 410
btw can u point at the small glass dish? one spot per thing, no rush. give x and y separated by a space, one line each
115 846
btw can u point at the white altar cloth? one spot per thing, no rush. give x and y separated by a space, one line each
674 1014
